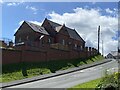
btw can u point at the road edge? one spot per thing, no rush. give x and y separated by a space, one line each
58 73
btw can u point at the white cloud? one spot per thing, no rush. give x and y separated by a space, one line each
86 22
109 11
1 1
36 22
113 12
34 9
31 8
12 4
15 3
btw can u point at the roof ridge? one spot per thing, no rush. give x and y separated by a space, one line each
37 28
60 24
34 23
54 22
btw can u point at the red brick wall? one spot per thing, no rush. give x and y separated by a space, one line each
35 55
11 56
54 54
17 56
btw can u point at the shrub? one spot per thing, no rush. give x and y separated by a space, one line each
109 82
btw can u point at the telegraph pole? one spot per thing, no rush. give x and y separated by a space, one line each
102 48
98 38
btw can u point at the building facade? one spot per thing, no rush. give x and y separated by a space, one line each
49 33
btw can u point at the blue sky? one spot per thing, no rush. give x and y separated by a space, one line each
14 13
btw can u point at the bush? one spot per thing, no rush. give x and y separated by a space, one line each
109 82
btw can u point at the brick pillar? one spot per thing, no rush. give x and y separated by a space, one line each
92 51
86 52
96 51
89 51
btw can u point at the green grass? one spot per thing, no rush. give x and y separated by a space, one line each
91 85
107 79
15 71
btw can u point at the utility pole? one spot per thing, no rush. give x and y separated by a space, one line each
102 48
98 38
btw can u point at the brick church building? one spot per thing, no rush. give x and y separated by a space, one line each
49 33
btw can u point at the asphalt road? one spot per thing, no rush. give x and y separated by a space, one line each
74 78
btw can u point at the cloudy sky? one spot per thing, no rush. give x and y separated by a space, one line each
82 16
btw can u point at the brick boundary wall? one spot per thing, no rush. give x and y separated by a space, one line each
11 56
30 55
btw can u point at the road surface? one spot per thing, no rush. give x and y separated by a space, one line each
71 79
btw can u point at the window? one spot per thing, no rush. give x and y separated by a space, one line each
49 40
63 42
27 37
19 39
42 41
75 45
81 47
40 29
69 43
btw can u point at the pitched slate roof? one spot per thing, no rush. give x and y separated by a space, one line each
72 32
37 28
53 24
109 54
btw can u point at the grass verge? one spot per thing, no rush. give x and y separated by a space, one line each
101 83
25 70
91 85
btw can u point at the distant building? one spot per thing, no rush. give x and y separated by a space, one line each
113 54
110 55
